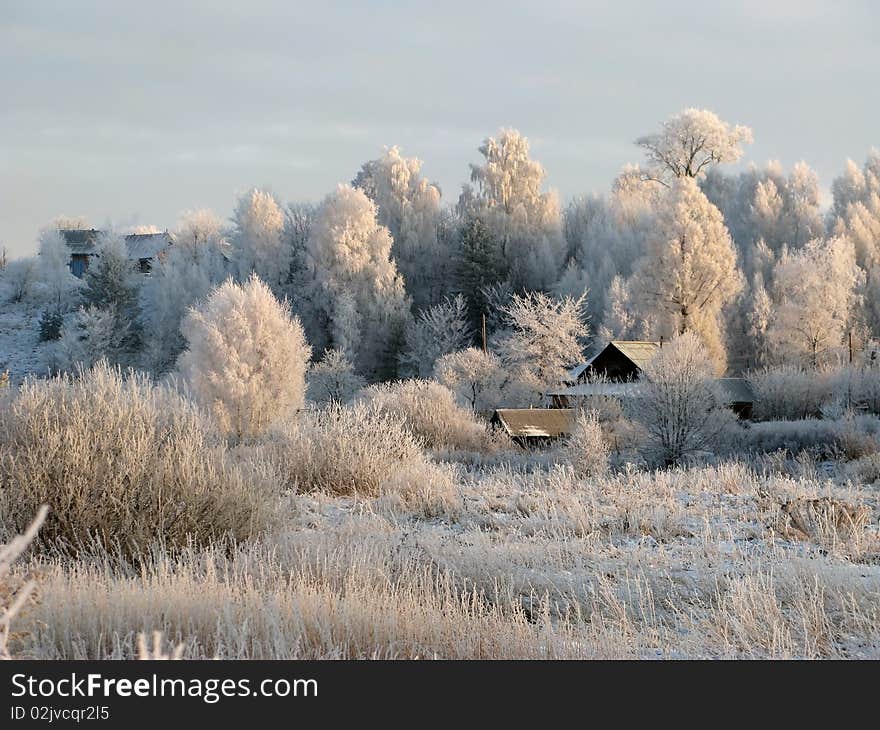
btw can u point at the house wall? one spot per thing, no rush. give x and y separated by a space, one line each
612 364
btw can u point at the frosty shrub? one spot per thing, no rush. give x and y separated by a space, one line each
51 321
856 388
788 392
18 279
246 358
475 377
435 332
333 379
89 335
343 450
678 402
429 411
585 447
852 437
544 338
122 461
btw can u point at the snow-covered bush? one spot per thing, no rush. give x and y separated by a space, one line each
852 437
678 402
246 358
51 321
333 379
788 392
18 279
430 412
123 461
585 446
476 378
89 335
343 450
856 388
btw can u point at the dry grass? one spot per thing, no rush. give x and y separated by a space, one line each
429 410
682 563
123 463
381 552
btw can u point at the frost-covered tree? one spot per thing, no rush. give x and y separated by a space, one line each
689 271
477 267
257 239
524 222
604 236
333 379
621 321
356 292
246 357
689 143
545 338
409 207
89 335
766 210
815 291
197 228
111 279
678 401
57 282
759 312
476 377
112 284
856 215
585 446
190 269
19 278
435 332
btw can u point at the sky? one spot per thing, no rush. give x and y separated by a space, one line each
128 113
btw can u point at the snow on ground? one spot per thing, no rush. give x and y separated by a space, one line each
21 352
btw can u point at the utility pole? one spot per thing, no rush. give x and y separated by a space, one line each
485 347
850 348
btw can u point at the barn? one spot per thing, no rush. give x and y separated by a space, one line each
738 395
534 426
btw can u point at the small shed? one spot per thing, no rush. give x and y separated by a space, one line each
619 361
738 395
534 426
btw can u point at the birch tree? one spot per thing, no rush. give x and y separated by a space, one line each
689 272
356 292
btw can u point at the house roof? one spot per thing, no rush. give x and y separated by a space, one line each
640 353
636 351
80 240
534 422
139 245
146 245
736 390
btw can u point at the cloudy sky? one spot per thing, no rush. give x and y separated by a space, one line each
130 112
